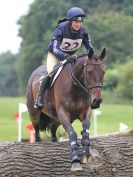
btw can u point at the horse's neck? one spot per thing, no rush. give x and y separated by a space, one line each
78 68
78 92
78 73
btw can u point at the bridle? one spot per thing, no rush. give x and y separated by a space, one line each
86 86
89 85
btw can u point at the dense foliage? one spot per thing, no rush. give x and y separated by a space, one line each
8 75
109 23
125 80
110 30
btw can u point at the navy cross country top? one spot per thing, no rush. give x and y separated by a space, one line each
66 40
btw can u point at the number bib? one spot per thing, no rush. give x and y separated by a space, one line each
70 44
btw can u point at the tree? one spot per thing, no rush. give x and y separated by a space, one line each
110 79
106 29
111 156
112 30
8 75
125 80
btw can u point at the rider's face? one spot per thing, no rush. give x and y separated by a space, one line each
76 25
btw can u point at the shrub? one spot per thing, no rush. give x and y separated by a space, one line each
125 80
110 80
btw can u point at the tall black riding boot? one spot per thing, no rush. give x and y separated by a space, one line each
41 92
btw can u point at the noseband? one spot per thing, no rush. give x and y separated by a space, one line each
87 86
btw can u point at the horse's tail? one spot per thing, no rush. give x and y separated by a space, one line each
44 122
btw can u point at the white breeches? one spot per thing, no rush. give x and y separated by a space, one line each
51 62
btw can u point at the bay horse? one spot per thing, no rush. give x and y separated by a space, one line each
76 91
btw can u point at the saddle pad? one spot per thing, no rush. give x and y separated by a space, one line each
56 75
53 79
58 72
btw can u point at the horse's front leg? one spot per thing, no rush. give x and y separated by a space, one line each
85 136
64 119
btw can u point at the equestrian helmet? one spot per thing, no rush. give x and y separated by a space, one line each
75 12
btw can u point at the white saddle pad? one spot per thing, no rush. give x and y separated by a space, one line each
58 72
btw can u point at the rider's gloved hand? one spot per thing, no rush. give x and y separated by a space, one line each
70 59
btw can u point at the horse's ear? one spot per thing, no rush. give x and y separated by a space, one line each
91 53
103 53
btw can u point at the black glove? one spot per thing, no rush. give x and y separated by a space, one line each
70 59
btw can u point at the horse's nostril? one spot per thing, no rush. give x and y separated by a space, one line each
97 101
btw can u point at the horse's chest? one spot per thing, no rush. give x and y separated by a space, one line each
79 103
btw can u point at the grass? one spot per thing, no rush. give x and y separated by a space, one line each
112 115
107 122
8 123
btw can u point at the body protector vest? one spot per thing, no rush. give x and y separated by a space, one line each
67 41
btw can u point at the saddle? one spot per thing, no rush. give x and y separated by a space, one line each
54 74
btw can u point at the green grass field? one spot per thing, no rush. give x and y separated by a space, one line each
107 122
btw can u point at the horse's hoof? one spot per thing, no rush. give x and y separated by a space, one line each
85 159
54 139
76 166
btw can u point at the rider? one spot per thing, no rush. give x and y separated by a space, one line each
68 36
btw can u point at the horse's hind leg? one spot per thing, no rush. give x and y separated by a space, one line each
47 123
54 125
37 133
36 124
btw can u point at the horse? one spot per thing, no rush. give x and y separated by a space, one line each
76 91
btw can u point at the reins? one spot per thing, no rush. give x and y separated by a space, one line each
91 86
76 80
87 86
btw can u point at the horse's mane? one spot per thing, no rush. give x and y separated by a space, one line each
83 55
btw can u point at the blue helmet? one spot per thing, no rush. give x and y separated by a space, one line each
75 12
